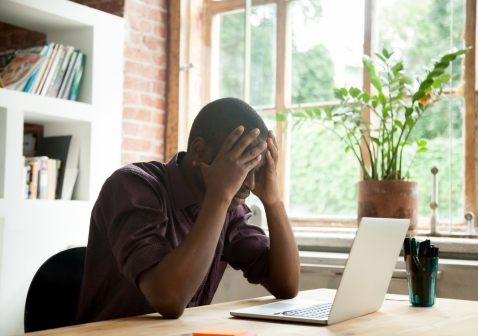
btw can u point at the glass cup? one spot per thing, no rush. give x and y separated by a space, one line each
421 278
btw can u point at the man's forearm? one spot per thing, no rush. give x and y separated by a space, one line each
170 285
284 268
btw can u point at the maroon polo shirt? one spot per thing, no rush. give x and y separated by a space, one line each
143 212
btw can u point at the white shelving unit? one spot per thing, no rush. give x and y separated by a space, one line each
33 230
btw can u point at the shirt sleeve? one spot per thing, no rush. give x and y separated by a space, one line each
247 246
134 218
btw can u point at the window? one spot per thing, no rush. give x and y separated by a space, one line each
279 54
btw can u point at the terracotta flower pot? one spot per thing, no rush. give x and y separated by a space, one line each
388 198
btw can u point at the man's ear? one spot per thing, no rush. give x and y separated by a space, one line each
201 151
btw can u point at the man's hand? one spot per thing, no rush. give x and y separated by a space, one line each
266 187
227 172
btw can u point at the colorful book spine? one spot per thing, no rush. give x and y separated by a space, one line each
50 61
53 70
38 77
55 88
69 70
75 86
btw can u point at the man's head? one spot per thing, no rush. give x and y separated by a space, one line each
212 126
219 118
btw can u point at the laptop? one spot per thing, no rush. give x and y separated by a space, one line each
364 283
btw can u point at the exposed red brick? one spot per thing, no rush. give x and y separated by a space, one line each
139 145
14 37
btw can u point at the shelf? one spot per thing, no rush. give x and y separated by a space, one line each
38 108
45 16
35 229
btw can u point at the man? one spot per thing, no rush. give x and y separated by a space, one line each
161 235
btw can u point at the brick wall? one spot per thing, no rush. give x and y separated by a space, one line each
145 69
145 80
12 37
115 7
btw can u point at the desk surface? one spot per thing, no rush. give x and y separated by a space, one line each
446 317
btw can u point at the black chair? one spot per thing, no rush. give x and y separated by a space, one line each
53 294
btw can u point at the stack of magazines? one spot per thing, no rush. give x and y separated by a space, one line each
52 70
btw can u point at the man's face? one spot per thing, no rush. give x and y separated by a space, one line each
250 181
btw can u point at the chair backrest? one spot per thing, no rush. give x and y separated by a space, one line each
53 294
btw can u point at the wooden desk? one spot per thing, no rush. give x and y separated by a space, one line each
446 317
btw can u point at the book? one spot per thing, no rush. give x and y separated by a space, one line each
49 63
53 68
69 83
43 167
55 87
75 85
31 80
17 72
39 74
53 167
69 69
33 181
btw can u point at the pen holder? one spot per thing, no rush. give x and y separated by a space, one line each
421 277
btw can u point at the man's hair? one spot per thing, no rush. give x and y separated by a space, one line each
219 118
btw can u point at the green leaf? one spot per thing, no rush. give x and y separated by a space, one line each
386 53
385 111
365 97
340 93
397 68
374 102
281 116
422 150
354 92
367 62
398 123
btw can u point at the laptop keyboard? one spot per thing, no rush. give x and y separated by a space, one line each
319 312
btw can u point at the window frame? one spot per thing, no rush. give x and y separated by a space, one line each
211 8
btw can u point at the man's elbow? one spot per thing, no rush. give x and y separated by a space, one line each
171 310
286 292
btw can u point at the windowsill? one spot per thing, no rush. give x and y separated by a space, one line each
340 240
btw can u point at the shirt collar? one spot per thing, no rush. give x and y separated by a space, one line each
182 193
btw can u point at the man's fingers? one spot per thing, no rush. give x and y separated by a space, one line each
253 152
232 139
253 163
273 137
273 149
245 141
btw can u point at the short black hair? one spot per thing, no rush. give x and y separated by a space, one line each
219 118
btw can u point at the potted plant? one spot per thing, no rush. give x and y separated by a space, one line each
395 106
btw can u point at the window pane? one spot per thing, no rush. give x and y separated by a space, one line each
324 54
441 127
323 177
263 55
432 27
230 55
